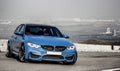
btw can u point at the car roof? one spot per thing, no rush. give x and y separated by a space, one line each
34 24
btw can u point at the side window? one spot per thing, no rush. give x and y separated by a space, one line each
18 29
22 29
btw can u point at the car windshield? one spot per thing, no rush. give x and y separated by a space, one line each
42 31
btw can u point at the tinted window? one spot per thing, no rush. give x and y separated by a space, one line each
43 30
18 29
22 29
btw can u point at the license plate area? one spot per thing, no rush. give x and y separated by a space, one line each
54 53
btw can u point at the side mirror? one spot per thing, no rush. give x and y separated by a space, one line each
65 36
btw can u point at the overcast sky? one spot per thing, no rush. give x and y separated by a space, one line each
85 9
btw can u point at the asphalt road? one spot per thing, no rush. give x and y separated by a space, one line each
87 61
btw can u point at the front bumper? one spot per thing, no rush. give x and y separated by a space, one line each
40 54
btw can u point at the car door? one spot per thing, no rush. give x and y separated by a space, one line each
18 38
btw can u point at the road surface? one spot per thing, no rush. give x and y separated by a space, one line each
87 61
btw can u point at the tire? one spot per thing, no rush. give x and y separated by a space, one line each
21 54
8 54
74 60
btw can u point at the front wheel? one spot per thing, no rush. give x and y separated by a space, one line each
21 54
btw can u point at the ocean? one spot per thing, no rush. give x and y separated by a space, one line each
77 31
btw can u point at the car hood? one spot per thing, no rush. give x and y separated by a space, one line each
47 40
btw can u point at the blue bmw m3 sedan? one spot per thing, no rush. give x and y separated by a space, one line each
41 43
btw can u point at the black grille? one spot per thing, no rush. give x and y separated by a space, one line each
51 48
53 57
60 48
48 48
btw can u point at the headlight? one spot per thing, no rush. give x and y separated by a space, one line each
33 45
71 47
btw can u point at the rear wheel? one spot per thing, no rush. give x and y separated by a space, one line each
21 54
8 54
